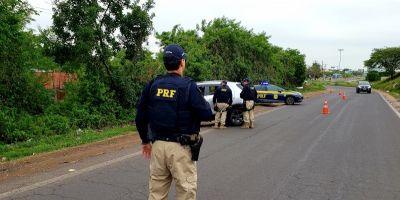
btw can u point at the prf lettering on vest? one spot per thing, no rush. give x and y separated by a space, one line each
169 93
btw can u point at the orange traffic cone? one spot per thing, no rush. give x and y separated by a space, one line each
325 109
344 96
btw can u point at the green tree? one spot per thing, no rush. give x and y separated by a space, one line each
198 63
294 67
87 35
20 55
223 49
386 58
314 71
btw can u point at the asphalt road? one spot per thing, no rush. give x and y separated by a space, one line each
294 152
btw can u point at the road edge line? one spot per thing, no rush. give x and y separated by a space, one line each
390 105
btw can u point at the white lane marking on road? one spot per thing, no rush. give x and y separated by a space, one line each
93 167
390 105
65 176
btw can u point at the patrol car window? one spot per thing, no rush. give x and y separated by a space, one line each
275 88
212 89
261 87
240 86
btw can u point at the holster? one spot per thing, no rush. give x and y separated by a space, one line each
245 107
194 141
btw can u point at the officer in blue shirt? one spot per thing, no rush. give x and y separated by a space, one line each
168 121
249 96
222 99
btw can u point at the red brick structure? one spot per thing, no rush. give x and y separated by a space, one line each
56 81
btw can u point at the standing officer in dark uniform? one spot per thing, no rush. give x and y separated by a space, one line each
249 96
222 99
168 121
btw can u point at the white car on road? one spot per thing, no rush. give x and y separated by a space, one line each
235 112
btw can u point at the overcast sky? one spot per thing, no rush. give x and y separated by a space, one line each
318 28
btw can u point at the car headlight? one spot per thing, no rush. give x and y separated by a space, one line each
359 86
298 94
369 86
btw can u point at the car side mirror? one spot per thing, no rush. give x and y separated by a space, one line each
280 91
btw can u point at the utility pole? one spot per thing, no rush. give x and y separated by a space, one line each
322 68
340 57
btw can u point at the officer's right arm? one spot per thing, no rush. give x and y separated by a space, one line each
142 115
242 92
199 105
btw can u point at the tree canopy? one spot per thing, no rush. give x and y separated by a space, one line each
223 49
387 58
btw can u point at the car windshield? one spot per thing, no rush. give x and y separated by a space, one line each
363 83
275 88
261 87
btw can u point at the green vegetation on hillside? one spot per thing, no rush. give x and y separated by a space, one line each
391 85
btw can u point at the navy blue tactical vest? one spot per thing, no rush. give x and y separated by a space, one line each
169 112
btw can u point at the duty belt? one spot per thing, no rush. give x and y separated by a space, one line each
182 139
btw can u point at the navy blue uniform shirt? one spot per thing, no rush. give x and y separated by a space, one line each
248 93
223 94
199 108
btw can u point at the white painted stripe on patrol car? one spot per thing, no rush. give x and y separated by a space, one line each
390 105
69 175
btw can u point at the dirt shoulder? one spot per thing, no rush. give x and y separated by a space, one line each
47 161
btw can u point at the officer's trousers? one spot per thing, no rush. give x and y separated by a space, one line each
220 116
248 114
172 161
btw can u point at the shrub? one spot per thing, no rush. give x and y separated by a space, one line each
373 76
57 124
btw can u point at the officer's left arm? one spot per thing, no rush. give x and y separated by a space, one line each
199 105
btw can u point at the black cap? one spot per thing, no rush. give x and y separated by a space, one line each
174 52
246 80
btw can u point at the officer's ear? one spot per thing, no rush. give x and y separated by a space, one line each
182 63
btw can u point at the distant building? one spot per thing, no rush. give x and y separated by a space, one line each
336 76
56 81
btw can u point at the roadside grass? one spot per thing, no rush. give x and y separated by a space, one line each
393 86
352 83
57 142
312 86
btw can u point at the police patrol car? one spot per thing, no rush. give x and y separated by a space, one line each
269 93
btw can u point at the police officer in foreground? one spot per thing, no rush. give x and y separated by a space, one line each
222 99
168 121
249 96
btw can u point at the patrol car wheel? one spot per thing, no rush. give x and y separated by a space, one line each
289 100
234 117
